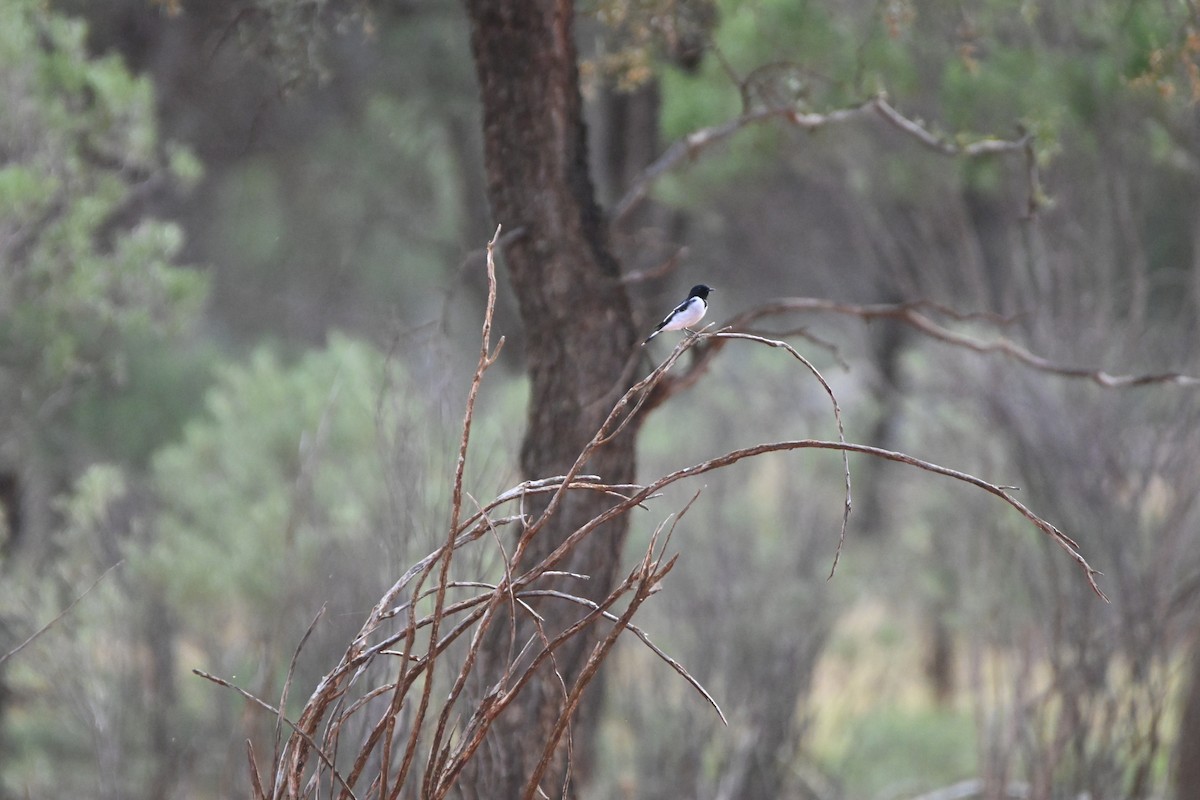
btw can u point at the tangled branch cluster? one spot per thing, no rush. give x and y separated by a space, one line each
416 739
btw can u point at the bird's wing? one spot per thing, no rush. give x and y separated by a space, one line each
675 312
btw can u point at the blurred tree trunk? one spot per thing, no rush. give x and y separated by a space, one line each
1187 747
159 635
579 335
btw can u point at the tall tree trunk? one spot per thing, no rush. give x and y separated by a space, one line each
579 335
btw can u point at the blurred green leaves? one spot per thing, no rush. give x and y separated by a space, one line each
896 752
280 469
81 143
1058 71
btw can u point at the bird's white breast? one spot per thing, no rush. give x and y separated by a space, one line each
688 315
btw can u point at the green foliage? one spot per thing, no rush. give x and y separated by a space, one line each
158 388
81 141
906 752
291 35
280 471
360 219
966 74
297 483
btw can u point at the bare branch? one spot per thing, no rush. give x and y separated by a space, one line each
837 416
274 711
647 576
60 614
939 144
436 716
1069 545
691 145
486 359
255 777
909 314
287 683
641 634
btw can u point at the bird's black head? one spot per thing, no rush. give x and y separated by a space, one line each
701 291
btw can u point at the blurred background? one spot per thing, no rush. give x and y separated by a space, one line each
241 247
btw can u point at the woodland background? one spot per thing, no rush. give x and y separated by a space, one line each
241 280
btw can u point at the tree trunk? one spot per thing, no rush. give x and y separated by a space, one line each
1187 746
579 335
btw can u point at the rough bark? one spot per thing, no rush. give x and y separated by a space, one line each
579 335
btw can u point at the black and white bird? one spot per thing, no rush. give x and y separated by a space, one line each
686 314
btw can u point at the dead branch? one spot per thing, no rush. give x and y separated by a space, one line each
287 682
486 359
909 314
837 416
405 718
691 145
278 713
645 637
650 572
255 778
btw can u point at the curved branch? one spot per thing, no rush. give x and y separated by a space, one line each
695 142
709 344
909 314
1069 545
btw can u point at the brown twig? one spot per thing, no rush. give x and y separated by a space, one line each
909 314
486 358
274 711
837 416
287 682
641 634
802 332
649 573
449 622
499 699
1066 543
255 778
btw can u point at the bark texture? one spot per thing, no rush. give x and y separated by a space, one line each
579 335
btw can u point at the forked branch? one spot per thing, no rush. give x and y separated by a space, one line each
397 678
691 145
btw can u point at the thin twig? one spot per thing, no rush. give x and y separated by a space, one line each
287 683
272 710
641 634
60 615
837 416
255 778
647 576
496 701
1069 545
486 359
910 315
